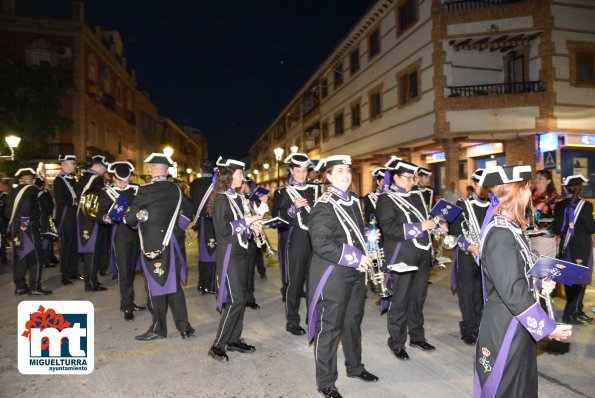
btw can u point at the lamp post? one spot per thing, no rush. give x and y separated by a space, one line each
278 157
12 141
294 149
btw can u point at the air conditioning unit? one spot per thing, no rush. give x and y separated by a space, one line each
64 52
104 73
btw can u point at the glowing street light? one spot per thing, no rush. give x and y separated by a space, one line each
168 151
278 156
12 141
265 166
294 149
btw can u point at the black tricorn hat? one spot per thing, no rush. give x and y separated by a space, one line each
100 159
476 176
63 158
26 171
499 175
378 172
122 170
230 163
159 158
576 179
422 171
333 160
297 160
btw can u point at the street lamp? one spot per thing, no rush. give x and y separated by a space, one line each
12 141
168 151
294 149
265 166
278 157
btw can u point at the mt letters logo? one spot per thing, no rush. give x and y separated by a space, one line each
56 337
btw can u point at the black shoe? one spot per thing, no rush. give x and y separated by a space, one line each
240 346
400 353
49 265
218 354
129 315
330 392
136 307
150 335
253 305
296 330
263 276
66 282
96 288
423 345
585 317
188 333
573 320
21 291
77 276
469 339
365 376
39 291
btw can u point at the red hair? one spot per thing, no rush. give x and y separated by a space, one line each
511 201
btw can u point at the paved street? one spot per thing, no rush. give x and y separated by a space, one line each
283 364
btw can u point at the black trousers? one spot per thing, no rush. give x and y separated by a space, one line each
340 312
232 318
90 273
157 305
468 276
127 251
282 242
68 246
299 255
407 302
207 276
250 263
29 264
574 300
102 248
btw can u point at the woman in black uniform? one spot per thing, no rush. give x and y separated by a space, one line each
513 320
337 283
232 232
573 222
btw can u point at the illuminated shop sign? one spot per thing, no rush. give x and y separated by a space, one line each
485 149
588 139
548 142
584 140
436 157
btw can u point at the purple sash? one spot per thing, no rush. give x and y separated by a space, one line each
385 302
204 256
312 316
170 286
222 295
26 246
88 247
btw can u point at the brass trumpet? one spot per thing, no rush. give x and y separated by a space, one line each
376 253
260 238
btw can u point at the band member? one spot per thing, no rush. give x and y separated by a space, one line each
282 232
297 200
423 186
466 272
573 222
372 197
3 229
46 223
66 208
125 245
158 210
505 354
200 190
89 239
337 277
232 230
22 210
403 219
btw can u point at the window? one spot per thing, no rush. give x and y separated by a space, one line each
408 84
338 76
324 88
463 170
585 67
40 56
406 14
355 115
374 44
515 68
354 61
375 100
325 132
339 124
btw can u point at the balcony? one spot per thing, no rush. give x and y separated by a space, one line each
460 5
497 89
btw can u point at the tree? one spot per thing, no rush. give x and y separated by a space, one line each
30 102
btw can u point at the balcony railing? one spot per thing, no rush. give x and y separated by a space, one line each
497 89
471 4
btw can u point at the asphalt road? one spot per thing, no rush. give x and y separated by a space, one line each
283 364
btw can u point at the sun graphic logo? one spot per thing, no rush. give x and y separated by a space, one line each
56 337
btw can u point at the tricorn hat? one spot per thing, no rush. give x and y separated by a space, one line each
498 175
333 160
122 170
159 158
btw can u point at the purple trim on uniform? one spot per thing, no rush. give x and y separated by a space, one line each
351 256
183 221
312 315
25 222
586 277
112 255
413 230
292 211
139 263
180 256
386 178
45 243
222 294
286 248
570 216
463 244
238 226
393 258
339 192
537 322
396 188
170 285
489 214
88 247
492 383
385 302
476 386
26 246
203 254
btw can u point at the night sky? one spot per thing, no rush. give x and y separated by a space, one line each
226 67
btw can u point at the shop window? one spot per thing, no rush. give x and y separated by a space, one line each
406 15
354 61
374 44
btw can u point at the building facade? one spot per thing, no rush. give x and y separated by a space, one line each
452 86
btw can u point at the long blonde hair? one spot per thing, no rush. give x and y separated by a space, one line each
511 201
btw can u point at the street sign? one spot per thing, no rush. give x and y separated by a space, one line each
549 160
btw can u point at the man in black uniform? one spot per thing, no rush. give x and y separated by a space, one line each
297 200
161 211
281 239
66 207
403 218
48 235
372 197
466 270
22 210
89 239
423 186
113 203
3 228
200 190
